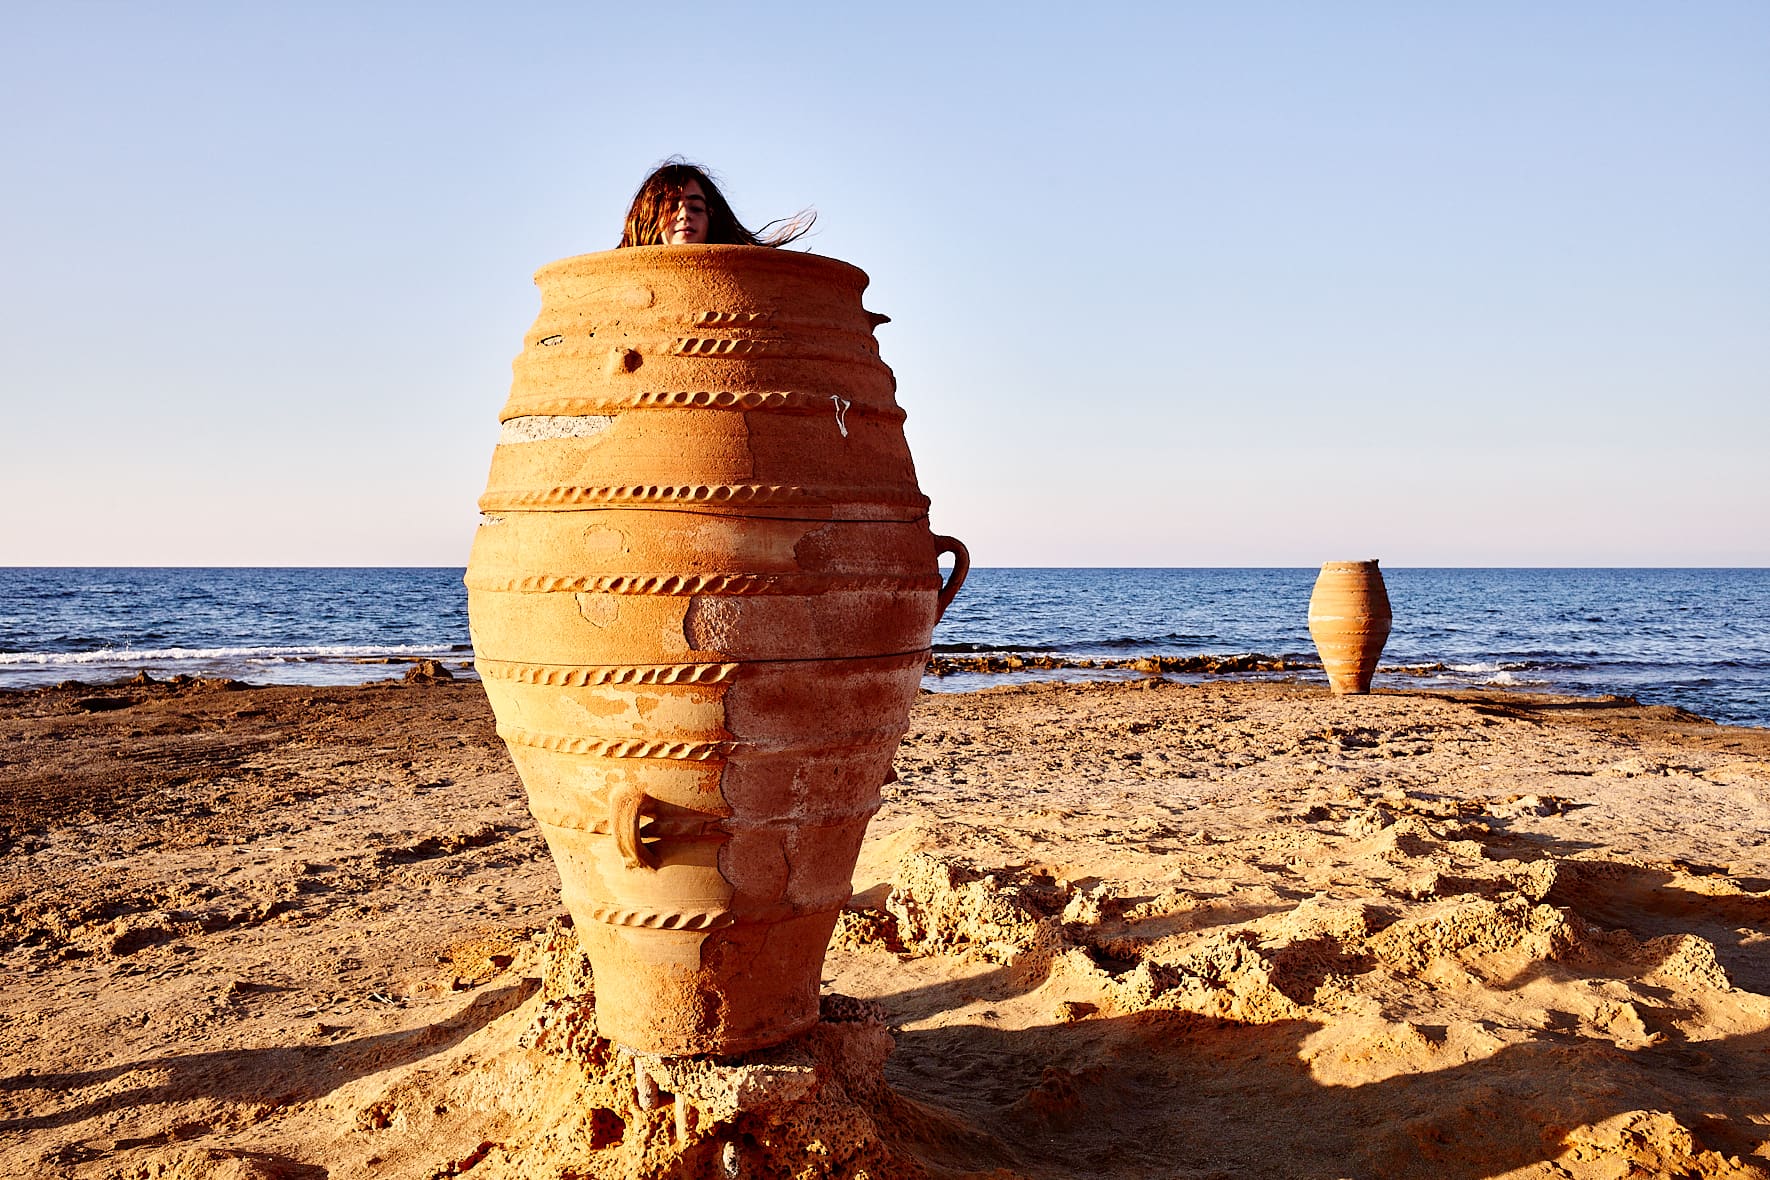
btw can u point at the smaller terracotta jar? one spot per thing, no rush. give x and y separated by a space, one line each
1349 619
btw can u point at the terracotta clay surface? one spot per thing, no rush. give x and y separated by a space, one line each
702 597
1349 620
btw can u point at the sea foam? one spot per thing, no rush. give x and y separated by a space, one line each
269 655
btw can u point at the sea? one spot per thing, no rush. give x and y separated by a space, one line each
1695 638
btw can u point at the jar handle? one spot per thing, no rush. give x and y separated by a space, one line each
961 567
626 811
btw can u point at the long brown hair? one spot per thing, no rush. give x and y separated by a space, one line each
655 203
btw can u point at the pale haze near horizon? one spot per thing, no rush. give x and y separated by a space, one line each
1262 285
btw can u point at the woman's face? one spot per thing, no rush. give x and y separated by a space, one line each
685 219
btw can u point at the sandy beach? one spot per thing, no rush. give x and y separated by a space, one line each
1142 929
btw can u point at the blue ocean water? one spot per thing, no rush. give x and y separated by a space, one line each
284 626
1699 639
1695 638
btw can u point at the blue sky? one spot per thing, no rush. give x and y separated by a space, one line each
1188 284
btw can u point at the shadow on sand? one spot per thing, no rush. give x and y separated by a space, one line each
1175 1094
275 1075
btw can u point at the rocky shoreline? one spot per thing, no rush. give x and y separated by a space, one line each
1156 665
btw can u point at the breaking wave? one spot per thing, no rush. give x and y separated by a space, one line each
249 655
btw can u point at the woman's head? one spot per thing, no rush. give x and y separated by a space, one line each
679 205
686 219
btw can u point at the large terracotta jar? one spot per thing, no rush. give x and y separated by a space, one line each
1349 620
702 596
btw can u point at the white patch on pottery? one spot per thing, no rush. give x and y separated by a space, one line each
542 427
